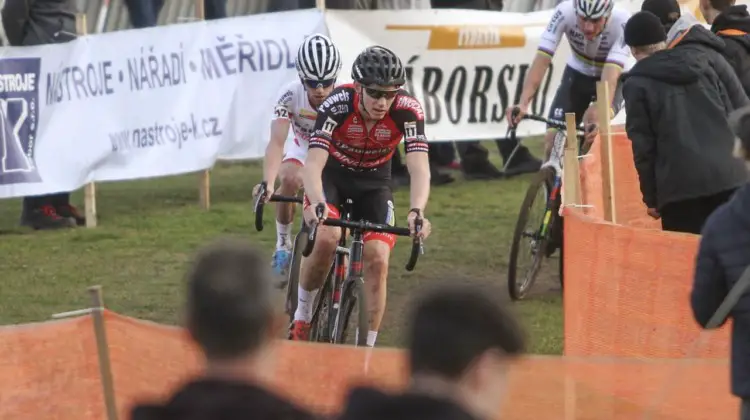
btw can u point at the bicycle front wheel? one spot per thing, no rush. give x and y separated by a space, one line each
527 251
353 323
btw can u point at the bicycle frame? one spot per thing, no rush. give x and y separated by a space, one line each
555 162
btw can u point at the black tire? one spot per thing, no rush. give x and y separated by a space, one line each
319 327
518 288
352 296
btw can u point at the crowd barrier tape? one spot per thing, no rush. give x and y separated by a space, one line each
50 371
174 99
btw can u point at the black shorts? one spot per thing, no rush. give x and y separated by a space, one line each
372 199
575 93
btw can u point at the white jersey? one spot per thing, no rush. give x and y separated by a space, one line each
589 57
294 106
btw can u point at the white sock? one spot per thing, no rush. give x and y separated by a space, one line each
371 337
305 302
282 233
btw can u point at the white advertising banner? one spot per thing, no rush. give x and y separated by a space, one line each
143 103
465 66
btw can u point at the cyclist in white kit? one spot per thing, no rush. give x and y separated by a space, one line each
318 65
595 32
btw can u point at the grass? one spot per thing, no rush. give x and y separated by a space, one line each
149 229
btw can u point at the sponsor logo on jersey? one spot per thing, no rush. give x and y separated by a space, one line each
340 109
355 130
340 96
555 21
286 98
382 134
308 114
410 103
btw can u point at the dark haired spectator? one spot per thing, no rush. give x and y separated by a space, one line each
732 24
723 255
677 105
234 314
460 346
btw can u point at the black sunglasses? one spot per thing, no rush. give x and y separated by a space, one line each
377 93
314 84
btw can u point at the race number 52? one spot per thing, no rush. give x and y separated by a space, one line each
12 153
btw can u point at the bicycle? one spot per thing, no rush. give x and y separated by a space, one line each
343 289
545 235
292 278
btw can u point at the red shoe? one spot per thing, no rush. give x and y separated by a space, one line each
299 331
46 217
66 210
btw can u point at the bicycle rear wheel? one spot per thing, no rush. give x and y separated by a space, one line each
353 323
521 276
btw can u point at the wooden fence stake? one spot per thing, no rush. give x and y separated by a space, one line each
105 366
204 179
605 137
571 175
89 190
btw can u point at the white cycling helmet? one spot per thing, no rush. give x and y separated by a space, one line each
594 9
318 59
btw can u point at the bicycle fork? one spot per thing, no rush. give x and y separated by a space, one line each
549 210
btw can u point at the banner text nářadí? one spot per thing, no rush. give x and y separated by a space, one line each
165 134
152 69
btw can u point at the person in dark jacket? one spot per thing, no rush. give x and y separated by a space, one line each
677 105
732 24
460 346
39 22
730 41
723 255
234 315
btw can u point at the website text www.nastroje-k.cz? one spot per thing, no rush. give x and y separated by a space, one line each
161 134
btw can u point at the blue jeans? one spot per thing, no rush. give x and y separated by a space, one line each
145 13
745 410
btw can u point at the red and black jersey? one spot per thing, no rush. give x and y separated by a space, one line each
340 129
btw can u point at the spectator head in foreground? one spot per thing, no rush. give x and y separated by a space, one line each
645 35
233 314
668 11
461 345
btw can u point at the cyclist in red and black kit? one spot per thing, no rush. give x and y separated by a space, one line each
358 127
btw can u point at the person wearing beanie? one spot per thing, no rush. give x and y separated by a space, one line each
668 11
676 118
723 255
731 23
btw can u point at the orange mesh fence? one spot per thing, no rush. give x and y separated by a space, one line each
50 371
627 292
629 207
